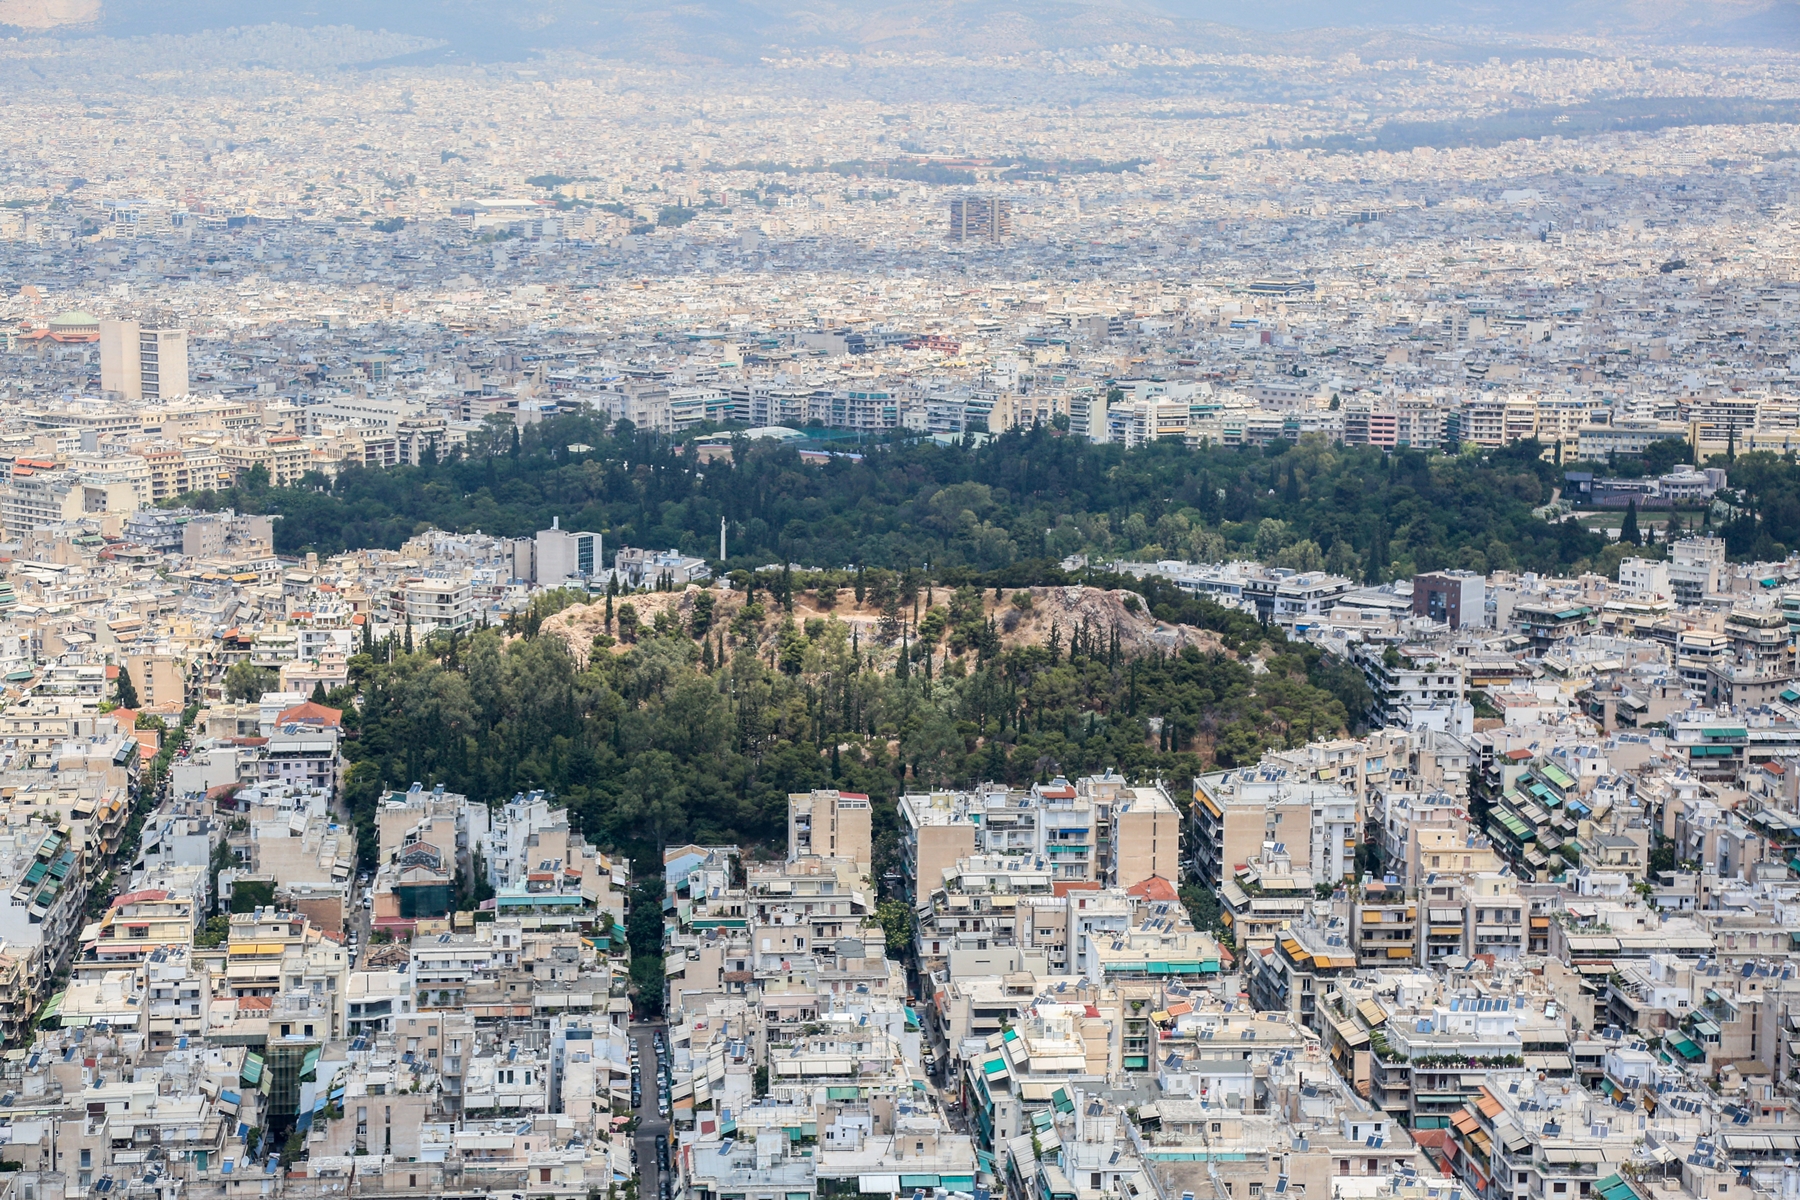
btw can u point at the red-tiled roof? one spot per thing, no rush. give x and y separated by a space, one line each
145 894
311 714
1154 888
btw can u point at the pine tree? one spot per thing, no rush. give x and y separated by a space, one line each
1628 532
318 692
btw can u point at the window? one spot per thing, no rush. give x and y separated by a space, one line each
1343 1166
1215 1127
87 1158
1374 1166
1561 1189
412 1181
1256 1189
543 1174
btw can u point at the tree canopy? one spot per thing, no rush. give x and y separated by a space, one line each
1023 498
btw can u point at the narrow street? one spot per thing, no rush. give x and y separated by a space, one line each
652 1128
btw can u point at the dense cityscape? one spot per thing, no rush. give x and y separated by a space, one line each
1016 608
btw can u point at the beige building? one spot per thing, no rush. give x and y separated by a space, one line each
831 824
177 470
158 678
1146 837
287 459
932 839
143 364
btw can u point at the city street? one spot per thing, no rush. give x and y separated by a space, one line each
651 1126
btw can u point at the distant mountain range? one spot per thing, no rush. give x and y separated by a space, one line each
746 30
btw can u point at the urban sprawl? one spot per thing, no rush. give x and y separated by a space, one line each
1527 933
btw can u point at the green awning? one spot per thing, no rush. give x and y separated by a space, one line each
1557 775
1614 1188
54 1008
993 1066
1790 695
253 1069
1060 1097
1684 1047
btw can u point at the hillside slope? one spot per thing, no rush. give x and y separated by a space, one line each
1054 612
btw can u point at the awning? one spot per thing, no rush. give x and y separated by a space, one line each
1683 1047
